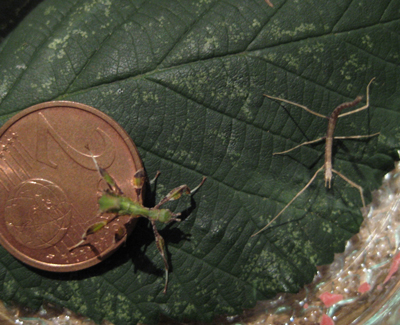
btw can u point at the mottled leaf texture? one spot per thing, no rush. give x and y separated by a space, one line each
186 80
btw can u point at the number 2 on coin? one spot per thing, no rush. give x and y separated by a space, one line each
113 200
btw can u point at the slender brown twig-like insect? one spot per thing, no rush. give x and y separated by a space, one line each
327 166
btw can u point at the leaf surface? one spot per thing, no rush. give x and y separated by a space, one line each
186 80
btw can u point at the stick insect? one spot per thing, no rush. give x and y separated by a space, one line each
327 166
113 200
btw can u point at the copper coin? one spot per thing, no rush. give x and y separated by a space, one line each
49 185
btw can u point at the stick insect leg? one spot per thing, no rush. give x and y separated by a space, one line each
301 144
358 187
357 136
296 104
361 108
291 201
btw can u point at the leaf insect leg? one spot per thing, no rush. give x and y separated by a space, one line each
173 195
112 188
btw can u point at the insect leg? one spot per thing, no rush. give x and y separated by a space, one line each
90 230
357 136
291 201
358 187
160 243
301 144
177 192
361 108
114 188
298 105
138 182
152 181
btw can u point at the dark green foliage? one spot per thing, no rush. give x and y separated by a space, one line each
186 80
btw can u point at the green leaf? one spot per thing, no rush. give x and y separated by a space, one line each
186 80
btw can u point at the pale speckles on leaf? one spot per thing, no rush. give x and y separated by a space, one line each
261 218
107 10
366 40
76 298
108 92
92 6
278 33
246 110
190 308
47 85
4 85
124 308
61 54
105 26
183 155
49 10
310 252
59 42
327 227
160 21
234 35
227 309
107 304
9 288
127 27
256 23
232 148
80 32
292 61
211 43
312 48
202 2
73 285
137 314
82 309
150 97
271 56
87 7
224 137
352 67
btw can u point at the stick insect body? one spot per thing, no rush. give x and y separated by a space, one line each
113 200
327 166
